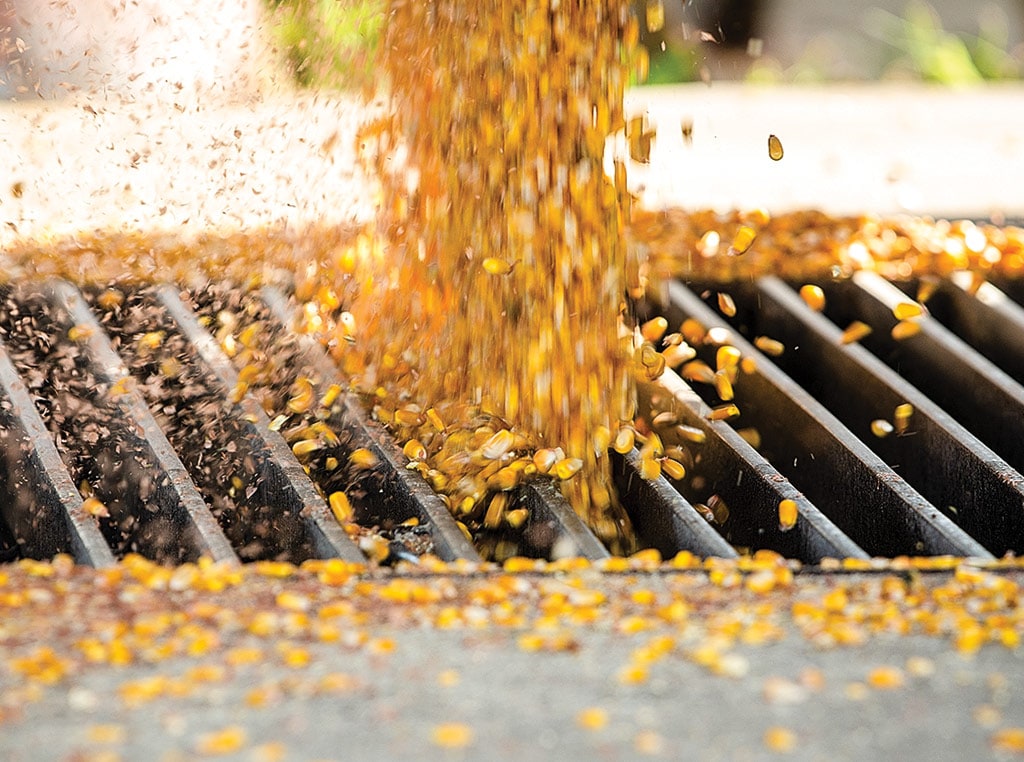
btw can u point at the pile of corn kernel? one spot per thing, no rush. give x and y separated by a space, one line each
183 633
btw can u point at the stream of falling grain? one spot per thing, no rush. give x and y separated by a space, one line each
503 281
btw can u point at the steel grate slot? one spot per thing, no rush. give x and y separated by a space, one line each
983 398
839 474
987 319
663 518
727 466
407 494
949 466
40 509
104 430
289 488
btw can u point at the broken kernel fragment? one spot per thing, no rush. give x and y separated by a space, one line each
854 332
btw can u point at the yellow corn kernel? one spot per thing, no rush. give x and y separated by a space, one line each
414 450
95 507
691 433
347 324
673 469
495 266
881 428
854 332
905 329
650 468
544 459
408 417
435 419
517 517
341 507
624 440
723 386
906 310
302 395
723 412
741 242
774 148
567 468
498 445
110 299
152 340
726 305
80 332
813 296
787 514
769 346
654 329
902 416
362 458
305 447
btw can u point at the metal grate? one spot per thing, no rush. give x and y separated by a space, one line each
186 466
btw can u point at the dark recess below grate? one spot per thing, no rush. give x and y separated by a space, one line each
939 489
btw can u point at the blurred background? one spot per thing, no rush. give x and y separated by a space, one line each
48 49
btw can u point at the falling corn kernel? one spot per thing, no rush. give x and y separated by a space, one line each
302 395
305 447
654 329
567 468
435 419
906 310
650 468
673 468
813 296
95 507
905 329
769 346
742 241
544 459
495 266
723 386
726 305
774 148
787 514
655 16
723 412
1008 740
698 370
881 428
902 416
498 445
341 507
751 436
691 434
854 332
624 440
362 458
414 450
347 323
727 356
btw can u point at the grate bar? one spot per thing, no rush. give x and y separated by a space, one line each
177 495
275 457
989 320
571 537
411 496
941 459
818 453
736 472
43 508
977 393
662 517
